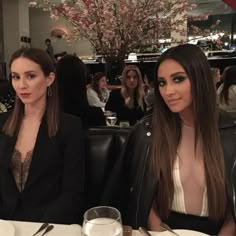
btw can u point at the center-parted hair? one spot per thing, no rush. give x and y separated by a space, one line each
41 58
95 84
167 132
139 91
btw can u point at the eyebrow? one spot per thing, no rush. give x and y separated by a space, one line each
174 74
26 72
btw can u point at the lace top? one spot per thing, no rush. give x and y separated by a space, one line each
20 169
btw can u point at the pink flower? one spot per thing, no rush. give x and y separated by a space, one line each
117 27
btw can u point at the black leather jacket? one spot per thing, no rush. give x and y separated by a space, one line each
128 189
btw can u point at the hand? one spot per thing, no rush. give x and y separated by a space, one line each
127 100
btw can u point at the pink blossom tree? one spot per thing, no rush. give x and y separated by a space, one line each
117 27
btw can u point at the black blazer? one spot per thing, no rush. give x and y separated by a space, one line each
54 191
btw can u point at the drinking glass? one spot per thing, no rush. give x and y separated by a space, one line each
111 118
102 221
124 124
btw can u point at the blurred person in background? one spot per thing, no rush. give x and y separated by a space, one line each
227 91
71 76
128 102
50 50
216 76
97 92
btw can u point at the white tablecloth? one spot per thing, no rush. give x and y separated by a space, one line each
29 228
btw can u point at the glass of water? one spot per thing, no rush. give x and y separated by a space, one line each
111 118
102 221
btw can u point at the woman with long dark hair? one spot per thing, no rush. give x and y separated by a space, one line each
97 92
179 162
71 76
41 149
227 91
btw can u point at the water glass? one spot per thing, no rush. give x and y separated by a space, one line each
102 221
111 118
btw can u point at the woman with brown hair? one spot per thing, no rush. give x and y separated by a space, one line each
215 72
97 91
179 162
227 91
128 102
41 149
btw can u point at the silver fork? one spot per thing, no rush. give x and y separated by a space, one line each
42 227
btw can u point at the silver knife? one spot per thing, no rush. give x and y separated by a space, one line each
166 227
48 229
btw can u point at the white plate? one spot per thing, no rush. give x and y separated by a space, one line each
181 232
6 228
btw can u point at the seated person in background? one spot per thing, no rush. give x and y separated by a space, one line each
41 149
215 72
128 102
97 92
177 162
227 91
71 76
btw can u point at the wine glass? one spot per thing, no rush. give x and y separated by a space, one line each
111 118
102 221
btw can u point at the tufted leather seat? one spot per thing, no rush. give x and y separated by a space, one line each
103 146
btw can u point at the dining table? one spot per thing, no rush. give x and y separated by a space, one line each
29 228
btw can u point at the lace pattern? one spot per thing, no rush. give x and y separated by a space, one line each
20 169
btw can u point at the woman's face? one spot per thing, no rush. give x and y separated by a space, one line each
217 79
131 79
29 81
102 83
174 86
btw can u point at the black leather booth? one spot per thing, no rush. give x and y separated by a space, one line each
103 146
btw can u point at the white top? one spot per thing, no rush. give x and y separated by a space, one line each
93 98
190 193
178 203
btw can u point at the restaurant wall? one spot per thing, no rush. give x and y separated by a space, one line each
11 35
41 26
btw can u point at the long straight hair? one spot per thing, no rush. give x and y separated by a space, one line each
13 123
167 132
139 91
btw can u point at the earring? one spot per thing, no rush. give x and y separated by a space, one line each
49 91
16 97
